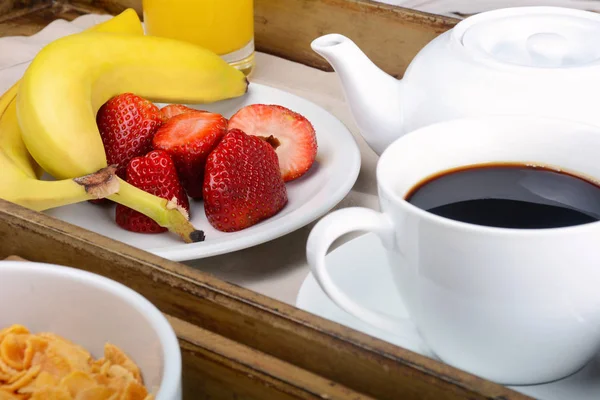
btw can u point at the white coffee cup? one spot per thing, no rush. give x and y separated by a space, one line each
513 306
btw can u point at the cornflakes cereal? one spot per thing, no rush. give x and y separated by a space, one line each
46 366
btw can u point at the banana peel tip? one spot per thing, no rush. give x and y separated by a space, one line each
197 236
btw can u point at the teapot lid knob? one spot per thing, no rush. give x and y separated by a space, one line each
542 37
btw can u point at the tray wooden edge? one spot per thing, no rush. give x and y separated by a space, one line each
351 359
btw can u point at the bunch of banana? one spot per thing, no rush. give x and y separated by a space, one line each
71 78
19 182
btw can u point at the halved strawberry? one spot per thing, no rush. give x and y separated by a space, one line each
296 136
168 112
242 183
153 173
189 138
127 123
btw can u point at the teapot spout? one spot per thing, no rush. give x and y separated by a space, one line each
374 96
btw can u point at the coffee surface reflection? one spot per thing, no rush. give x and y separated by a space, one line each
515 196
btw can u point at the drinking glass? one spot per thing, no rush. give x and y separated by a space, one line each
224 26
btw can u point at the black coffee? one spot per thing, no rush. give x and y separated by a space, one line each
509 196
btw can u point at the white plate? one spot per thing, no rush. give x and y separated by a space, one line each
361 270
331 177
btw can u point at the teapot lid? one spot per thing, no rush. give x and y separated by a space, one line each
540 37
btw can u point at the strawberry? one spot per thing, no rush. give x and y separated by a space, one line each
127 123
189 138
154 173
242 183
297 147
168 112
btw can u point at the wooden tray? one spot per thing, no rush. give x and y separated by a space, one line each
238 344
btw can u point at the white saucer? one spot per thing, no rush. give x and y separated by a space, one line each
327 182
360 268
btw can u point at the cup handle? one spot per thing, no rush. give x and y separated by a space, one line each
325 232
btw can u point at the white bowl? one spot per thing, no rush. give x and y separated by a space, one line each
91 310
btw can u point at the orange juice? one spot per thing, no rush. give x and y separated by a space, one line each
223 26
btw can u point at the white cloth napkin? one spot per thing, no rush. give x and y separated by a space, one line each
16 52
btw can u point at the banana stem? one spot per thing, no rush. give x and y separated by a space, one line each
43 195
165 213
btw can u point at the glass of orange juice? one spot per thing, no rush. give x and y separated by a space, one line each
224 26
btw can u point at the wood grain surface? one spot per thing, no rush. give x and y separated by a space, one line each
390 36
351 359
19 6
217 367
25 22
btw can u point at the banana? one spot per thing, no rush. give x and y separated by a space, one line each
71 78
19 184
19 181
127 22
7 97
11 144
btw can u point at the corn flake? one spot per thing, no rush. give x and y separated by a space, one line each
42 380
8 396
46 366
116 356
5 369
56 393
12 350
77 382
34 345
96 393
18 329
21 380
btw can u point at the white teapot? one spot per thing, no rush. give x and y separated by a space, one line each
526 60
